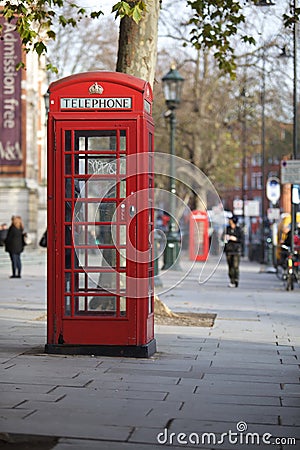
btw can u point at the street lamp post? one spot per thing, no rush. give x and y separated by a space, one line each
263 3
244 162
263 156
295 120
172 87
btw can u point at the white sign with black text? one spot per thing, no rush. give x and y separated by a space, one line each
290 171
96 103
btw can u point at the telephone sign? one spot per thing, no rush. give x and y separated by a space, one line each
95 103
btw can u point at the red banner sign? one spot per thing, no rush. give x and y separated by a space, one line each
10 96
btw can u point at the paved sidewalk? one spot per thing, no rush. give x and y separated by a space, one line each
238 381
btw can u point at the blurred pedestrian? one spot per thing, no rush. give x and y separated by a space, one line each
43 240
288 239
3 234
233 247
14 245
165 221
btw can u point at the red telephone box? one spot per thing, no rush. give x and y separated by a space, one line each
100 216
199 242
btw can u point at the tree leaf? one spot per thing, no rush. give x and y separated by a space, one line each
51 68
96 14
20 65
40 48
137 15
51 34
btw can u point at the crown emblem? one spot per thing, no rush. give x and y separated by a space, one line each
95 88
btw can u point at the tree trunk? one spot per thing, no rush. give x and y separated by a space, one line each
137 56
138 44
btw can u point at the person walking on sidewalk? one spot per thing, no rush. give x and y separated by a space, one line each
3 234
233 247
14 245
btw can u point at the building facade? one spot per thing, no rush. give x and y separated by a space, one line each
23 167
250 186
